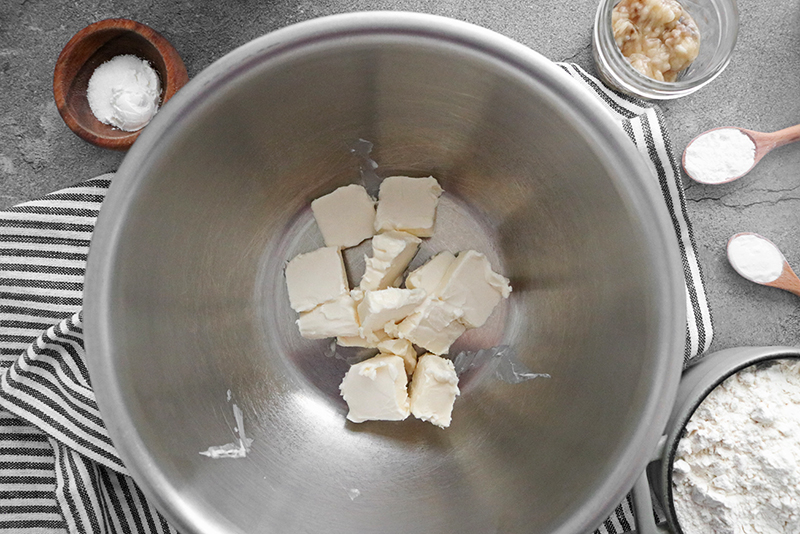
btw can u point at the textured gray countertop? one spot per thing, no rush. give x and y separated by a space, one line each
760 90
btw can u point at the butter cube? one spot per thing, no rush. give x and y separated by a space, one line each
408 204
384 306
375 390
392 251
358 341
315 277
336 317
430 274
471 285
433 390
346 217
402 348
434 326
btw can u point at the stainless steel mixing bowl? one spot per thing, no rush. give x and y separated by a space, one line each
185 296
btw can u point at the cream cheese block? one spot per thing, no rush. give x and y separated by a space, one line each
374 340
428 276
471 285
345 217
433 390
408 204
334 318
375 389
392 251
402 348
385 306
315 277
434 326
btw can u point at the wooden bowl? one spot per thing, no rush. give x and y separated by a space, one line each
96 44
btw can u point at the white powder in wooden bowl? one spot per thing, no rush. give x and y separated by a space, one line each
124 92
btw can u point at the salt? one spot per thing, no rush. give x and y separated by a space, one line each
719 156
124 92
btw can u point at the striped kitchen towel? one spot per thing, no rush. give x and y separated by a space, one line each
59 471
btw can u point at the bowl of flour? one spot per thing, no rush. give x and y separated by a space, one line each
731 457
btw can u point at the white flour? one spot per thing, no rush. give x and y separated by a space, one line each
737 469
755 258
719 155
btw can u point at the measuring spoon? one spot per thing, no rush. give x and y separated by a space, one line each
759 260
764 142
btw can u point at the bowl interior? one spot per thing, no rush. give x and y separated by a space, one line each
186 298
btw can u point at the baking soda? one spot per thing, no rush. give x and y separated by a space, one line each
719 155
755 258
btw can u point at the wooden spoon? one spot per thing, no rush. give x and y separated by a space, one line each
764 142
786 280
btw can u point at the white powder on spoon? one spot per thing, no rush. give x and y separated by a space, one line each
755 258
124 92
719 155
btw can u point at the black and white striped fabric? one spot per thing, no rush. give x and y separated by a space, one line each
59 471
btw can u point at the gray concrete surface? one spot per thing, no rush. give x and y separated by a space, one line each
759 90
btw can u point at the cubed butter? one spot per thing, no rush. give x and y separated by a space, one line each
408 204
434 326
375 390
433 390
357 294
392 251
357 341
386 305
402 348
315 277
428 276
471 285
346 217
334 318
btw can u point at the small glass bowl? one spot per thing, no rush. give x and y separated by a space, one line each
718 22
